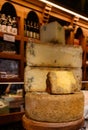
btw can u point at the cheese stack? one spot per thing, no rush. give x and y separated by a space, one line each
52 81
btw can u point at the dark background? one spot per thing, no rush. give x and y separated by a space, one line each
79 6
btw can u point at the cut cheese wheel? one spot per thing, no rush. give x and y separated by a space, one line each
53 55
62 82
54 108
35 77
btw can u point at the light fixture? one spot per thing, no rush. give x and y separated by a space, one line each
64 9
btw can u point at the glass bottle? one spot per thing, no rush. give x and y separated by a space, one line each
37 31
14 26
31 29
9 24
4 22
25 28
28 29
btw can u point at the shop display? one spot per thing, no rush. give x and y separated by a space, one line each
47 56
8 24
7 47
9 68
31 26
52 84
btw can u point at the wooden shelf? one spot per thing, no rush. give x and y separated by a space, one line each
10 56
10 79
25 39
17 37
11 117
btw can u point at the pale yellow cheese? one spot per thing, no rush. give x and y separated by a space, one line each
53 55
62 82
54 108
35 77
52 32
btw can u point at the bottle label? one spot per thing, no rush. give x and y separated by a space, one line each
34 35
31 34
14 31
9 29
28 33
3 28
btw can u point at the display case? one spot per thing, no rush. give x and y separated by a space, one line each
10 44
13 44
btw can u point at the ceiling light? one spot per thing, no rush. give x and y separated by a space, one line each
64 9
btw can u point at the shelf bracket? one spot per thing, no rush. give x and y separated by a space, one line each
46 13
75 20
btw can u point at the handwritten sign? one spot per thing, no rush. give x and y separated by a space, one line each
8 37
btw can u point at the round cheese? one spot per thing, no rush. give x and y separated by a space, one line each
54 108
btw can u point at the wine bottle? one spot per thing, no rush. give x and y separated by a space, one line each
37 31
4 21
28 28
9 24
31 29
14 26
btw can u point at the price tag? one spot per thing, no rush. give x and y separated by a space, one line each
8 37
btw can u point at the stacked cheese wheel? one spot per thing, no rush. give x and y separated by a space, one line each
53 82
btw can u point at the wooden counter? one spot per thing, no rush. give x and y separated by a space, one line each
11 117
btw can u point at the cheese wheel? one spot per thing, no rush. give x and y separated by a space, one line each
54 108
53 55
35 77
56 36
62 82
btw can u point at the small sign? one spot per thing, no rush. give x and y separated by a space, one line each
8 37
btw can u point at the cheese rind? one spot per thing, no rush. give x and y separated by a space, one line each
35 77
54 108
62 82
57 35
53 55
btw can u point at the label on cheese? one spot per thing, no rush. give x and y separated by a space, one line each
53 55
